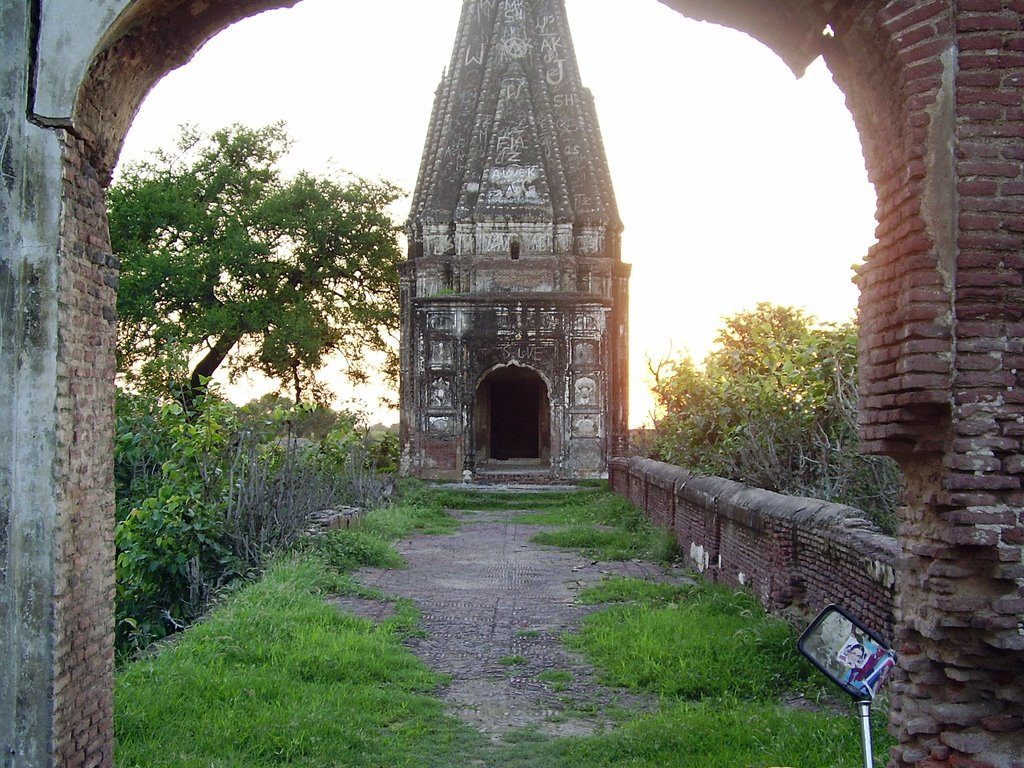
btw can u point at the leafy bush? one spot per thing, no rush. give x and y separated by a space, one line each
170 542
204 495
774 406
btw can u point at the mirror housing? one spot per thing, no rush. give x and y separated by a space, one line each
848 653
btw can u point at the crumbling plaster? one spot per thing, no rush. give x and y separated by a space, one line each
29 222
68 35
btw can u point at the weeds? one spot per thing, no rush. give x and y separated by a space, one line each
347 550
618 589
602 525
275 677
711 643
557 679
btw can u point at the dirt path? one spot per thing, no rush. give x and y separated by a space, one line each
494 610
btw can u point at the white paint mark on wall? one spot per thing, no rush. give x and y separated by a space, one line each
883 573
700 557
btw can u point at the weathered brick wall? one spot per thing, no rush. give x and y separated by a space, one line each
936 89
792 553
84 589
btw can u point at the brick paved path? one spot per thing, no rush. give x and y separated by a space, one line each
494 609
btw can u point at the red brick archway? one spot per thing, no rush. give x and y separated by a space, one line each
935 89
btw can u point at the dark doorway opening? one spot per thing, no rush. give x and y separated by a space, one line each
513 416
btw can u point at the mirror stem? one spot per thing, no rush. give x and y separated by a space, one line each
864 710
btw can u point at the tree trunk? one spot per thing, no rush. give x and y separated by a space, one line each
297 382
206 367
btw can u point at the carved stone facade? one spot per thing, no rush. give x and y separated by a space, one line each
514 297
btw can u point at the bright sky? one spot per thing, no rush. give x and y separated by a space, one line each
737 182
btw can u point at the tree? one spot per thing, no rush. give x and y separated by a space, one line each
774 406
224 257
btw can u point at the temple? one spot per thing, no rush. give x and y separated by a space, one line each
514 296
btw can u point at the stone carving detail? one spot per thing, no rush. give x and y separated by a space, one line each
584 323
441 425
584 353
441 354
441 321
586 391
587 455
441 393
588 244
586 426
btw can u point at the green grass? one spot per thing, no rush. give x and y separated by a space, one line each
463 499
596 543
618 589
601 525
350 549
277 677
710 643
420 510
512 661
701 735
557 679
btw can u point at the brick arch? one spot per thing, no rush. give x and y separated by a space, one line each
931 86
151 38
935 91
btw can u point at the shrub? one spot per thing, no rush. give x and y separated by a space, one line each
206 494
170 543
774 406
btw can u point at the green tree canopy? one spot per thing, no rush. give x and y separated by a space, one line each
774 406
224 258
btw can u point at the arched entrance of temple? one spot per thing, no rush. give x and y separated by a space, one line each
512 419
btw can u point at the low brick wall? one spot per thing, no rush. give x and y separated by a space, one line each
792 553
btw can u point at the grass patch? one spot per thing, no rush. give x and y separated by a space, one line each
618 589
709 642
557 679
512 661
420 510
702 735
593 506
624 533
348 550
596 543
276 677
462 499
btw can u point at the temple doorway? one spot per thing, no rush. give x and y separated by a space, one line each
513 417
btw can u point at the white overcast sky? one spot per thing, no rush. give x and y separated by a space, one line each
737 182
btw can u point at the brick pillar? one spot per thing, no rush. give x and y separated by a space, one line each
84 556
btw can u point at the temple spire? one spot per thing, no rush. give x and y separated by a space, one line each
513 133
515 346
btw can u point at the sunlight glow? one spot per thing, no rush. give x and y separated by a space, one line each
737 182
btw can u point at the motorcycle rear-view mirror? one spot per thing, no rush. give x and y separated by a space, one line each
848 653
